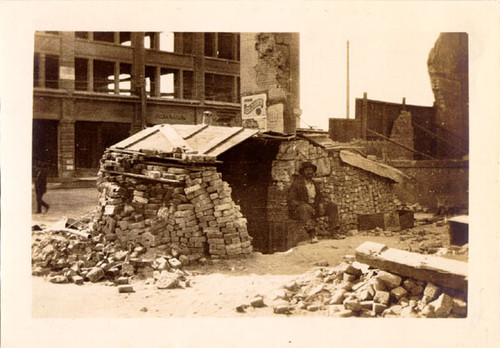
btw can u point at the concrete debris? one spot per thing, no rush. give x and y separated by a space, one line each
373 293
442 271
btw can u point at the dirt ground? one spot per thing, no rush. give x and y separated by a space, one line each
215 290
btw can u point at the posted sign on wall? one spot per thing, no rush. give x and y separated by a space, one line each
253 106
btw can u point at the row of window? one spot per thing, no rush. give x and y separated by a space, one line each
217 45
93 75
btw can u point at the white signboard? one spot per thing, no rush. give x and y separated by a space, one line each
66 73
253 106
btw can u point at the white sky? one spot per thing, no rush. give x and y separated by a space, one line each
385 64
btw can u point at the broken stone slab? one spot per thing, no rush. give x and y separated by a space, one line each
167 280
352 304
442 306
382 297
338 297
281 308
292 286
390 280
350 269
95 274
77 280
398 293
58 279
459 307
174 263
431 292
122 281
379 307
257 302
125 289
446 272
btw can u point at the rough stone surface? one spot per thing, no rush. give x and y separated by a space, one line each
442 306
389 279
95 274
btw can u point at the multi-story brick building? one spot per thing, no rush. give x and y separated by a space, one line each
92 89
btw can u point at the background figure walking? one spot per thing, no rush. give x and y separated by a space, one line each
40 187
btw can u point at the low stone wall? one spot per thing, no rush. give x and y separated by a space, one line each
440 184
355 191
169 206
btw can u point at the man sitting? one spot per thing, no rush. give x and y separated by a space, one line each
304 202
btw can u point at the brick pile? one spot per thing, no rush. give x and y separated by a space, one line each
69 258
353 289
170 206
355 191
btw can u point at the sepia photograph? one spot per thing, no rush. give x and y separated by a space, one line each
303 174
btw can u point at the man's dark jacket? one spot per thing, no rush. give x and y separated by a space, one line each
297 194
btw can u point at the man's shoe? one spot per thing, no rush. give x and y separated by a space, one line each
47 208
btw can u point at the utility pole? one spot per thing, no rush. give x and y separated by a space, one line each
347 83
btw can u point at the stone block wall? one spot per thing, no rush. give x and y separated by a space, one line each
354 190
169 207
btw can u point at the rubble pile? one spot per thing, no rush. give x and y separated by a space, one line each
166 205
72 258
353 289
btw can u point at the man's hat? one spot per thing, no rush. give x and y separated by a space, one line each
305 165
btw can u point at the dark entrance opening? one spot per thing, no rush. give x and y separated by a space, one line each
247 168
91 139
44 146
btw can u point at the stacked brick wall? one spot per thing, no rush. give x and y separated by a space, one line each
165 206
354 190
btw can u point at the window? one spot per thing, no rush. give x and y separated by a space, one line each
81 70
226 45
187 85
104 36
104 76
210 42
125 78
81 35
169 83
125 38
51 71
220 88
36 70
222 45
166 41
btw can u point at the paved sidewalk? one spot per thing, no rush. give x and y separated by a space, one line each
68 202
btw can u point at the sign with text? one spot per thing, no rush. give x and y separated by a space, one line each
66 73
253 106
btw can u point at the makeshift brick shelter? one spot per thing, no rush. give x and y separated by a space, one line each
260 171
160 188
219 191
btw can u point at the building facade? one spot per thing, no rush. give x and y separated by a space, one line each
93 89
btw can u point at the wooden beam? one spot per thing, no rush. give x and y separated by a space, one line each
438 270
